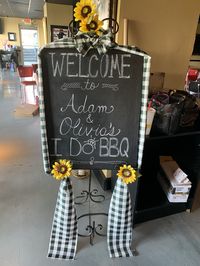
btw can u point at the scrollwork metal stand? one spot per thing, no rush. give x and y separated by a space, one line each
91 195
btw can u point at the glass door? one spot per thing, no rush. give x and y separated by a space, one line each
29 43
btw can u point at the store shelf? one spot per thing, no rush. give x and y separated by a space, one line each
151 202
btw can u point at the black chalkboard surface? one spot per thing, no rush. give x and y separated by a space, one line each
92 106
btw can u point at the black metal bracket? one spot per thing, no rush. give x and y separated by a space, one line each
91 195
92 228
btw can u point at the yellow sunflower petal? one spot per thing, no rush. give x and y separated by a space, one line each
131 168
52 172
68 164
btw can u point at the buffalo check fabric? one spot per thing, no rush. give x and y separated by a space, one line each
64 233
85 42
119 230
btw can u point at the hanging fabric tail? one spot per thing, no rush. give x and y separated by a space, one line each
64 234
119 231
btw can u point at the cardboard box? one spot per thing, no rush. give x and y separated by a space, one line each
173 171
173 180
26 110
176 197
156 80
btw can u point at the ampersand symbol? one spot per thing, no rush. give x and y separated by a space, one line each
89 120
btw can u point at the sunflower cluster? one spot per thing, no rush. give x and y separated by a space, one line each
85 12
61 169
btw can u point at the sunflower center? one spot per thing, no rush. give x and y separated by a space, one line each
62 169
126 173
85 11
92 25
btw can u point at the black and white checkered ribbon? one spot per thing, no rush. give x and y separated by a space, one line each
119 230
84 42
64 233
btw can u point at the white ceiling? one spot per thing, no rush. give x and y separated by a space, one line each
27 8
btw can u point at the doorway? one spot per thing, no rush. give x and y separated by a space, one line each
29 44
195 57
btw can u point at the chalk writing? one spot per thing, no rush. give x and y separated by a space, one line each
72 85
108 144
79 129
89 85
90 104
106 66
89 120
85 107
55 141
107 147
114 87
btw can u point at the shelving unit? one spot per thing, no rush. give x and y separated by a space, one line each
151 201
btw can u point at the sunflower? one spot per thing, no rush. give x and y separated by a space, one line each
127 174
91 24
83 9
62 169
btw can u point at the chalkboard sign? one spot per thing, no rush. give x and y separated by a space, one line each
92 106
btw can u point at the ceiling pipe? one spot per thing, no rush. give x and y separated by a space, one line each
29 6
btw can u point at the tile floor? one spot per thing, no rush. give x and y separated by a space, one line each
27 201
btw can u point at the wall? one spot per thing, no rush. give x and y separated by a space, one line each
12 25
166 31
57 15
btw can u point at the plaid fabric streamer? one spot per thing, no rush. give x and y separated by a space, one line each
85 42
119 230
144 98
64 233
